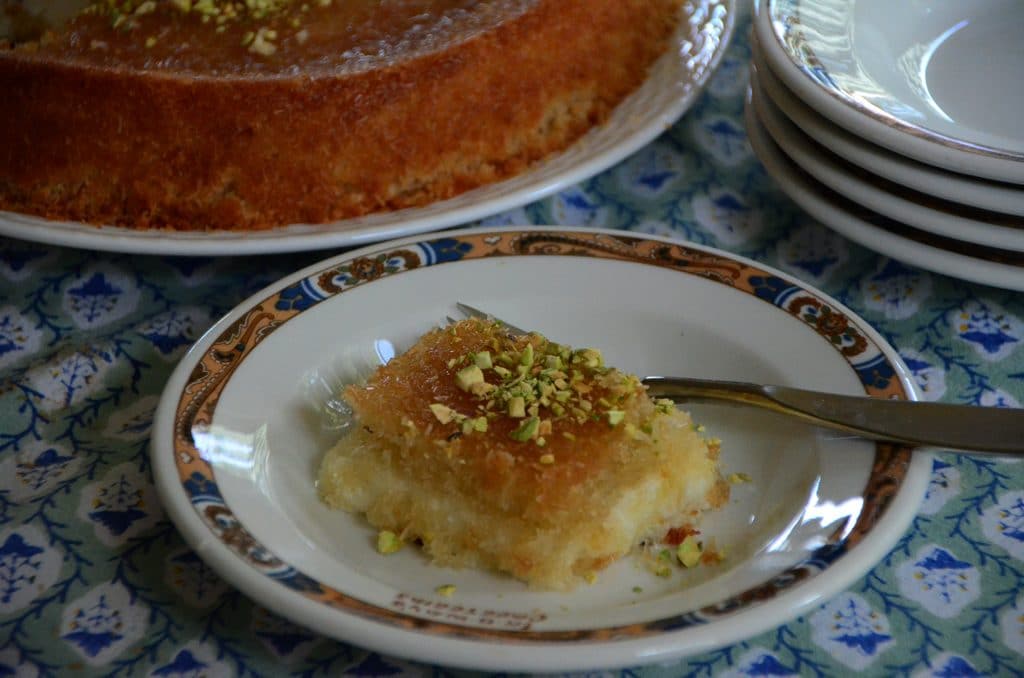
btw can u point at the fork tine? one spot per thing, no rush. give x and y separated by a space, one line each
477 313
472 312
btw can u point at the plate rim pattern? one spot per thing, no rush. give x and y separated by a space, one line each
195 405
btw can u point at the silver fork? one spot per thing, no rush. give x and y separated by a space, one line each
986 430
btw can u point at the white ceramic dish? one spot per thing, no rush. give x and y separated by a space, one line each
935 81
921 211
670 89
966 261
240 430
958 188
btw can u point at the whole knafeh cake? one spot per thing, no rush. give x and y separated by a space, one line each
210 114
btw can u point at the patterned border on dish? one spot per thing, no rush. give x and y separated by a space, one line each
199 398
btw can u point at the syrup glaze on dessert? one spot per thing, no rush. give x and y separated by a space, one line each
141 114
577 415
221 38
520 455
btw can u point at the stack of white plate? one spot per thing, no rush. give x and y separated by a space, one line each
899 125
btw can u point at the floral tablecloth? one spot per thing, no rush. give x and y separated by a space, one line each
95 581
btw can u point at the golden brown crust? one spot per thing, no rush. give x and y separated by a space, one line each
144 149
492 463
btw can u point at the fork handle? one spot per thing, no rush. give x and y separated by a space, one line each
956 427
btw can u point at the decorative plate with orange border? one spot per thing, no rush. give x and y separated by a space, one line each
247 415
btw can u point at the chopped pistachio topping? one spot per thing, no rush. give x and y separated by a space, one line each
737 478
541 383
263 16
481 388
588 357
689 552
263 41
468 376
443 413
527 430
447 590
517 407
478 424
663 564
547 459
388 542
